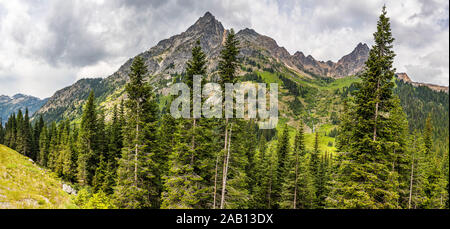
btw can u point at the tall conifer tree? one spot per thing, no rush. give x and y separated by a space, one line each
137 182
366 177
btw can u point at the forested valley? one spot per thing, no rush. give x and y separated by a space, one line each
391 144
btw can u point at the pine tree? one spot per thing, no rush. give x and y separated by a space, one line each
182 185
283 150
53 147
11 132
27 137
167 142
400 160
185 151
19 136
115 146
265 177
99 179
137 183
234 190
366 176
314 165
323 179
38 126
228 62
87 142
297 187
44 146
434 187
417 174
237 193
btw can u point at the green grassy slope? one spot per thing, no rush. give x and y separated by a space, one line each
25 185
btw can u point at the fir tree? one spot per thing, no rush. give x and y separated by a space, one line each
228 62
115 146
297 187
434 187
366 177
283 150
44 146
28 136
137 183
38 126
182 185
315 163
87 142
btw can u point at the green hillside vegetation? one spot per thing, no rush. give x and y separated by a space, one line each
23 184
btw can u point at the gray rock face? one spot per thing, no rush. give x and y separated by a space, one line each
68 189
68 101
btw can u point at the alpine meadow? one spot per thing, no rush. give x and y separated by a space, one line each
351 134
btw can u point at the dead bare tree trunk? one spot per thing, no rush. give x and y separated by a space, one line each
224 179
215 182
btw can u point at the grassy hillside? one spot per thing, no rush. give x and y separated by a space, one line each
25 185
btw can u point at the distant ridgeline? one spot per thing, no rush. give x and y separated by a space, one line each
9 105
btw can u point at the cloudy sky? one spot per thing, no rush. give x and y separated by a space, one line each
46 45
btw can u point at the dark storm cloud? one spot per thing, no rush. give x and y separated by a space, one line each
69 42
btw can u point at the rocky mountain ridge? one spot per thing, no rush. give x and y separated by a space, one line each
168 59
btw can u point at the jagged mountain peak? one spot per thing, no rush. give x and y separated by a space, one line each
19 95
362 46
206 22
404 77
248 31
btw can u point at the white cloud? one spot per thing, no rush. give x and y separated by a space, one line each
46 45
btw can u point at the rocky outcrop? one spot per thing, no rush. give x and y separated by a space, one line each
404 77
69 189
68 101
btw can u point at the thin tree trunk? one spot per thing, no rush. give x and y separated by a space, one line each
270 188
193 142
376 112
411 179
136 147
224 180
215 182
296 177
225 150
